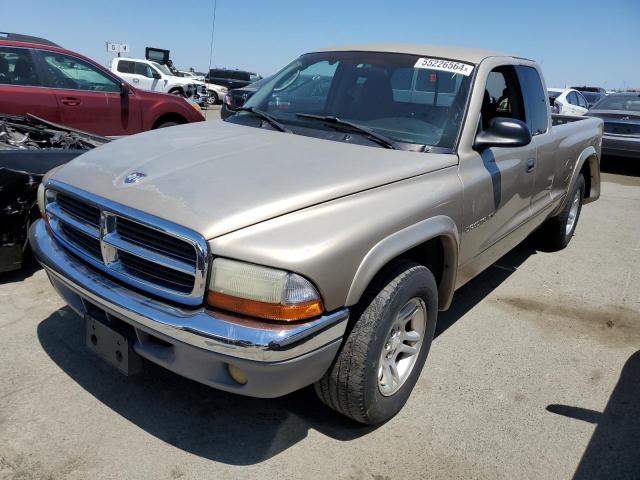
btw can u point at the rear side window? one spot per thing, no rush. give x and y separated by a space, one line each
240 76
535 100
125 66
17 67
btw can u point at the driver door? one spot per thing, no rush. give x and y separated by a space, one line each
498 181
88 98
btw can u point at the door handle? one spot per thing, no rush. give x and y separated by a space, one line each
136 80
531 165
70 101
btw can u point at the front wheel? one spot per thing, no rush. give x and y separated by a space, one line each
212 99
383 355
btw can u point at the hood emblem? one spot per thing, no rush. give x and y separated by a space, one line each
134 177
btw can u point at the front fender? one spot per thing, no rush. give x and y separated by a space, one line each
399 242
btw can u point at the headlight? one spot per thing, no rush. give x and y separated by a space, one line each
262 292
41 198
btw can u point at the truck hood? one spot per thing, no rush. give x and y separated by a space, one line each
217 177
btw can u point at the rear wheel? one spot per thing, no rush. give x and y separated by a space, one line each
384 353
555 234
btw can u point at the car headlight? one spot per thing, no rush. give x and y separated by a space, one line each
262 292
40 198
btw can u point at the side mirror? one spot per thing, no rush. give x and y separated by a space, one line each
125 88
503 132
156 75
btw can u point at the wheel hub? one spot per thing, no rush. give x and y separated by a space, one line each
402 346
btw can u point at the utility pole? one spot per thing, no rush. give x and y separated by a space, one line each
213 27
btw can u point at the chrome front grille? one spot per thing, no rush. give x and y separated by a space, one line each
144 251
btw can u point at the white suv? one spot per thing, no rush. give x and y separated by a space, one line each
149 75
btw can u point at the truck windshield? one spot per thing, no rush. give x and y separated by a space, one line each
162 68
405 98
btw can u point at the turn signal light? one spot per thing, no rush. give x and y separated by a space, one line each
269 311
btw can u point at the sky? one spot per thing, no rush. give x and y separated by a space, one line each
576 42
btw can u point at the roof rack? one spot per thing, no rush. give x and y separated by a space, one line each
18 37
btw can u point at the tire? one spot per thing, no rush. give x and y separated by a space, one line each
167 124
212 99
177 92
555 234
354 385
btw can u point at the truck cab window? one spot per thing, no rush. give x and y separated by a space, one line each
502 96
535 99
125 66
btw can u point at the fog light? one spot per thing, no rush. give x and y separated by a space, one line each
237 374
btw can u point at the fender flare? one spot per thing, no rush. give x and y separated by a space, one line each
399 242
591 155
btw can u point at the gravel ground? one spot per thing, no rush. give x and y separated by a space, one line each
534 374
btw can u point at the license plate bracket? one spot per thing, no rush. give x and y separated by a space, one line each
111 346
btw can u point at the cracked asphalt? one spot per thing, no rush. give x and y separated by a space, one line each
534 374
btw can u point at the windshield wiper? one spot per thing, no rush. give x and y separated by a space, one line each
266 117
368 133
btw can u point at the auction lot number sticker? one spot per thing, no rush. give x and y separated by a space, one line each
444 66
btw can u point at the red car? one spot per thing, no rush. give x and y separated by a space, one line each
64 87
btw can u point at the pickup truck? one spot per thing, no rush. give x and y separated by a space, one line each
312 237
155 77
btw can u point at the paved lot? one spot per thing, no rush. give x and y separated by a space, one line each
534 374
212 113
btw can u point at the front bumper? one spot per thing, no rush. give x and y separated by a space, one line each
199 344
621 145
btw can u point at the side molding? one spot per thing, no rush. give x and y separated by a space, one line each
403 240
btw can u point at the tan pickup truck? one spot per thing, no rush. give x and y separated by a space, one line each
313 237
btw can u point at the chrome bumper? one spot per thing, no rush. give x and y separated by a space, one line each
236 337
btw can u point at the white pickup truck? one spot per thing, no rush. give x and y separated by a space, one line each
153 76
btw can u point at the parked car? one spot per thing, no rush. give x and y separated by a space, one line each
66 88
216 93
584 88
231 78
314 243
565 101
592 94
593 97
155 77
29 148
621 115
236 98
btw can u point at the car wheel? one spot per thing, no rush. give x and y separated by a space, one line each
383 354
177 92
555 234
212 99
